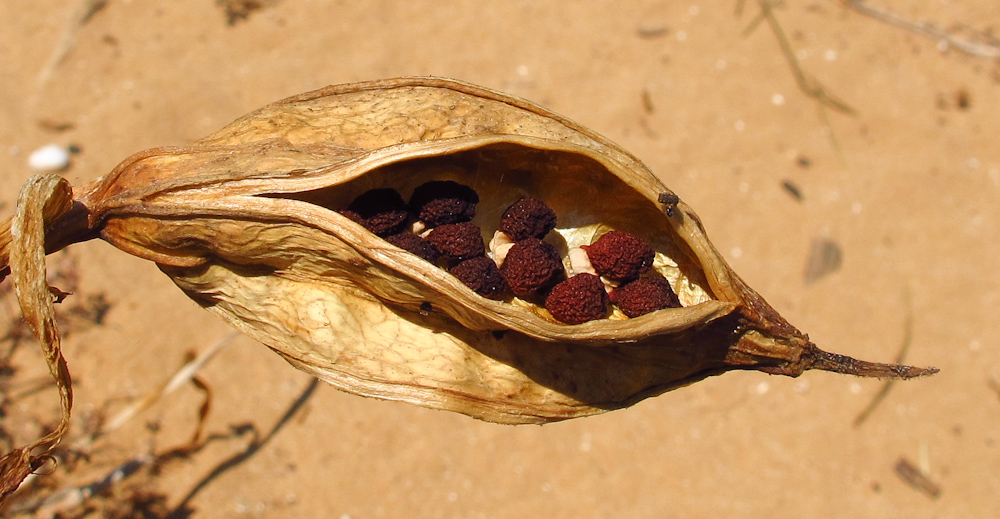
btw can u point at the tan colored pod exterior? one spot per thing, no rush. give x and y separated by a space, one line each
244 222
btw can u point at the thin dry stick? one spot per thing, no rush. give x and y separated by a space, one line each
903 349
82 15
982 50
808 85
183 376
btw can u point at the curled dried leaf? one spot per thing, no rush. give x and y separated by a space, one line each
248 222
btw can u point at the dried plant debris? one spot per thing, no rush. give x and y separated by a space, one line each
916 478
240 10
981 44
255 222
793 189
825 257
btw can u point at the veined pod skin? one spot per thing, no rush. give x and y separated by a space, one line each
245 222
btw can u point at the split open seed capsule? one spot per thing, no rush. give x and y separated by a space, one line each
245 222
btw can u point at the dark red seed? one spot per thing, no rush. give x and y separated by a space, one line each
620 256
416 245
645 295
579 299
458 241
441 202
481 275
531 265
528 218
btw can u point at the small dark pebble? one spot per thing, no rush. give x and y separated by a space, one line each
441 202
528 218
579 299
645 295
416 245
620 256
792 189
531 265
458 241
481 275
382 211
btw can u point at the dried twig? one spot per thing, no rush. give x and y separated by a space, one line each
808 85
990 49
184 375
904 348
86 10
256 444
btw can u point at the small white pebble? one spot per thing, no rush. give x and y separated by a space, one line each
855 388
995 177
586 442
830 55
973 162
452 497
694 10
48 158
801 386
721 64
762 388
736 252
740 125
522 70
778 99
856 208
681 35
975 345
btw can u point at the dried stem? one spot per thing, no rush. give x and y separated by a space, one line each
982 50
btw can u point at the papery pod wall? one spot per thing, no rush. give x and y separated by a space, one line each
245 222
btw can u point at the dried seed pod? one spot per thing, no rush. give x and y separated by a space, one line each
245 222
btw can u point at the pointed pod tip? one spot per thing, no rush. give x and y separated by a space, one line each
823 360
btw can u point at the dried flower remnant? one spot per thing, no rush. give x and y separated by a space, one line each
531 265
243 222
416 245
458 241
579 299
482 276
441 202
644 295
528 218
381 211
620 256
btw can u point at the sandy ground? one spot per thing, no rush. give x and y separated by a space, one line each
906 188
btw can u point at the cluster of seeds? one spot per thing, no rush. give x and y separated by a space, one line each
436 225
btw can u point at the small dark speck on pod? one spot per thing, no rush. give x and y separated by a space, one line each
426 308
670 201
498 334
